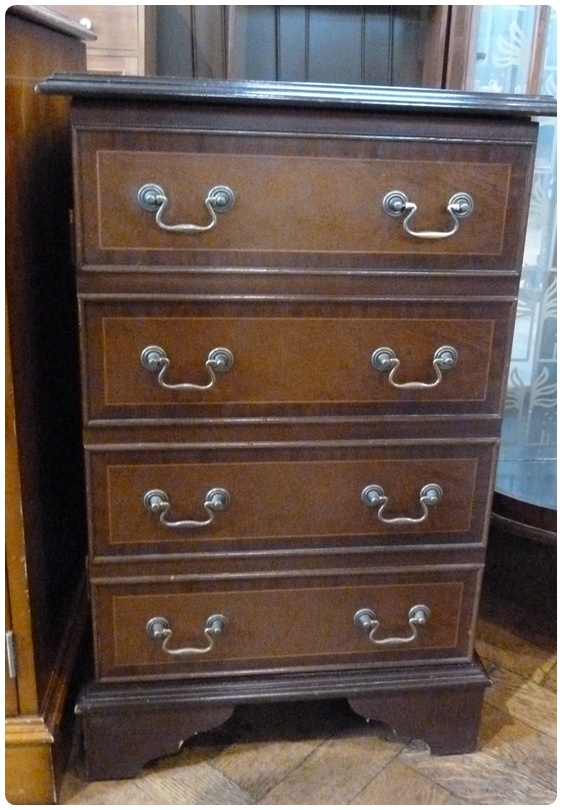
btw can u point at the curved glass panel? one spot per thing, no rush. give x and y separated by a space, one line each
507 37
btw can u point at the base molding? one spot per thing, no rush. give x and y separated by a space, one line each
30 777
127 725
37 746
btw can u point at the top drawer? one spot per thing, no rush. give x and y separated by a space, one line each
298 200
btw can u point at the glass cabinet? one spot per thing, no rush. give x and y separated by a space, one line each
514 51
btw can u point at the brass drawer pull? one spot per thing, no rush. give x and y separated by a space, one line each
155 359
366 620
152 197
396 203
159 628
384 359
157 501
375 497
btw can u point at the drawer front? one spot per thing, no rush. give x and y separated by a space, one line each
293 359
298 200
282 624
268 498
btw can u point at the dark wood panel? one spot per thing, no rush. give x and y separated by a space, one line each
297 431
293 359
402 100
282 626
330 200
290 563
45 543
289 285
302 423
262 346
288 499
291 47
422 709
327 204
192 41
376 45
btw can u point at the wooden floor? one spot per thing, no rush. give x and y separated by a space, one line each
322 753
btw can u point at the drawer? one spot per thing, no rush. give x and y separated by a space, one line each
282 624
150 360
298 200
217 500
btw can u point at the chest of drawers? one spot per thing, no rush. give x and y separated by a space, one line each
296 309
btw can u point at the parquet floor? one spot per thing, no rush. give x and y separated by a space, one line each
322 753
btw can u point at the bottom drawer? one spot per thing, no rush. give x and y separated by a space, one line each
282 623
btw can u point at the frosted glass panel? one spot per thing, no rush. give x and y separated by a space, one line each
503 48
527 463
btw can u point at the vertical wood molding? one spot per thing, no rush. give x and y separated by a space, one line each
390 78
307 44
436 47
193 40
462 43
540 33
209 41
16 568
146 21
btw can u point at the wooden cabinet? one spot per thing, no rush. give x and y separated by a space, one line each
125 40
45 525
374 44
296 308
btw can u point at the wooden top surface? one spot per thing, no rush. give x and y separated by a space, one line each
47 17
403 100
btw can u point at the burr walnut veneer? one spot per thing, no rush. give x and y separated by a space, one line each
296 311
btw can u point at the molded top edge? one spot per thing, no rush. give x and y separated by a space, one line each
298 94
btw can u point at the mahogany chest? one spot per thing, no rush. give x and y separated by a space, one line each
296 312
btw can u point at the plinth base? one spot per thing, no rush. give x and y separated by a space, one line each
125 726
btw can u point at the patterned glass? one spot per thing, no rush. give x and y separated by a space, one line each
527 463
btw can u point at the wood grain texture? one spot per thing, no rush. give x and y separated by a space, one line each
38 280
279 94
398 783
44 544
123 37
334 772
481 776
308 497
506 649
325 202
515 742
527 701
330 200
292 358
262 745
290 562
549 681
313 627
29 771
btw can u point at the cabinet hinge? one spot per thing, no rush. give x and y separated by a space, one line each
88 584
11 660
